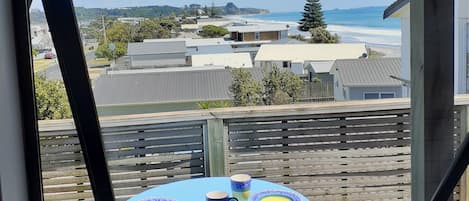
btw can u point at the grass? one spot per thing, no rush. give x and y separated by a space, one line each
375 54
99 62
41 64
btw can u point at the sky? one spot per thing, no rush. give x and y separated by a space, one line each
272 5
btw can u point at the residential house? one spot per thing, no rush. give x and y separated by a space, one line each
401 9
137 92
297 57
153 55
320 70
131 20
233 60
204 21
362 79
216 45
258 32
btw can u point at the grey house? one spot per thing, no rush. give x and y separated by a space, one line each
361 79
153 55
147 92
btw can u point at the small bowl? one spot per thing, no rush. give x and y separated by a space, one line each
275 193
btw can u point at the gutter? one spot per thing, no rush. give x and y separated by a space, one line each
394 7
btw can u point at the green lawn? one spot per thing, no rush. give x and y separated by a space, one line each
41 64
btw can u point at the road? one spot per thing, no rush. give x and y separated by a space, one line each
53 72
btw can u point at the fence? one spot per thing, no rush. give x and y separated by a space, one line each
329 151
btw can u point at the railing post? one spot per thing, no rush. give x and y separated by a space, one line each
216 137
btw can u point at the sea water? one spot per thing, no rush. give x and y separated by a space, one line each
353 25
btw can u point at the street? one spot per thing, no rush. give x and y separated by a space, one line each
53 72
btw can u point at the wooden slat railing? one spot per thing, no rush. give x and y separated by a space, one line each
357 150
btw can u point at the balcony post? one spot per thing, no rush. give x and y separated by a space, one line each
432 97
216 137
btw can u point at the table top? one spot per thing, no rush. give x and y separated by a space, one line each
195 189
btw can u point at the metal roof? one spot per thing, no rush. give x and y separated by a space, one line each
234 60
368 72
394 7
310 52
163 47
165 87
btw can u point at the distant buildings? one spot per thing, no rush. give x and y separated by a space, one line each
131 20
258 32
362 79
40 37
297 57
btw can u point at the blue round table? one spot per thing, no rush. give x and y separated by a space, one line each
195 189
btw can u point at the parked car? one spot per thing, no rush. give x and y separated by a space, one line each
49 56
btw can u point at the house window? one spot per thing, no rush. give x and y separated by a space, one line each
378 95
369 96
286 64
257 36
387 95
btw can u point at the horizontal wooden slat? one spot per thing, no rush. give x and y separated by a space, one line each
369 129
285 141
323 123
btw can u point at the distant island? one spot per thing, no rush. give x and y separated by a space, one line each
87 14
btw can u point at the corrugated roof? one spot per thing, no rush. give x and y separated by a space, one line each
165 87
257 28
234 60
368 72
394 7
163 47
310 52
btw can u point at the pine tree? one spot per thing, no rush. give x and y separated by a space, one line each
312 16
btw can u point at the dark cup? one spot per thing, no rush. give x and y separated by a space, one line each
219 196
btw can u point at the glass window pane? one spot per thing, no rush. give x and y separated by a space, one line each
387 95
368 96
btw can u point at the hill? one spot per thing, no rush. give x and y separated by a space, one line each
88 14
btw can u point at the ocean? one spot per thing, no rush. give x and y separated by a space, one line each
353 25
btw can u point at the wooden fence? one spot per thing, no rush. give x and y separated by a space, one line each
330 151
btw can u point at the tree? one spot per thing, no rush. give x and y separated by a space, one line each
321 35
205 105
281 87
149 29
103 51
312 16
211 31
245 90
35 52
51 99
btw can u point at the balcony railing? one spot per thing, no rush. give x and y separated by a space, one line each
328 151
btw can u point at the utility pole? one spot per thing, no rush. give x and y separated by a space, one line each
104 29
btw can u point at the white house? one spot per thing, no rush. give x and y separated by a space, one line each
297 57
233 60
401 9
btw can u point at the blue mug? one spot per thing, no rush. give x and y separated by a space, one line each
241 186
219 196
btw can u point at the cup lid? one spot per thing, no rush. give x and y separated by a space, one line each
240 177
217 195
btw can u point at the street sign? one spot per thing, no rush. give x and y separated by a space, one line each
112 47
